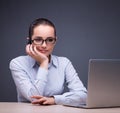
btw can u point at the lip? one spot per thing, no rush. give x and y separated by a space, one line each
43 51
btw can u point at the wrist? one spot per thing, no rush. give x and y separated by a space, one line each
44 64
53 100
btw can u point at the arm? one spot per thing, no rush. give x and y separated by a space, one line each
28 86
77 92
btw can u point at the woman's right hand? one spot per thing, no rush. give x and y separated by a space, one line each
32 51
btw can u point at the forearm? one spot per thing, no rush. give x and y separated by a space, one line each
71 98
28 80
39 83
27 86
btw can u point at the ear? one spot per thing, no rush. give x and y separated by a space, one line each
56 39
29 40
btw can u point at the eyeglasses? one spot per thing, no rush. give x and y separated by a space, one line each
40 41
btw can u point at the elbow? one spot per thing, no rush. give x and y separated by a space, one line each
81 98
77 99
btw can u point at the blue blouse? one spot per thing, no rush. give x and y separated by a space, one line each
30 79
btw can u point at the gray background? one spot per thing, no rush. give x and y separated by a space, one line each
85 29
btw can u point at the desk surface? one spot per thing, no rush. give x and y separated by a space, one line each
12 107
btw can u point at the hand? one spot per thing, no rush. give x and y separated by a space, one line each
43 100
34 53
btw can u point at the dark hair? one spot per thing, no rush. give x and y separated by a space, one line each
37 22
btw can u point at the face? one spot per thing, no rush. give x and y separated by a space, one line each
44 32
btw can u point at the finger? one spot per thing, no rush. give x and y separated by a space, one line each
31 50
45 103
37 96
42 100
36 51
36 102
28 49
39 53
49 101
39 101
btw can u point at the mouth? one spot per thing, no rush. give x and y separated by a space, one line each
43 51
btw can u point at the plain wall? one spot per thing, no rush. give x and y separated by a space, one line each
85 29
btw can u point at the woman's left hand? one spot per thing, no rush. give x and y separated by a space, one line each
43 100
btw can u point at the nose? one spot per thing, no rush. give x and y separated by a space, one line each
44 44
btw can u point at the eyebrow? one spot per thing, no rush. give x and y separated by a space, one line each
38 37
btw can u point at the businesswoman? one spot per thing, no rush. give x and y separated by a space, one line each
40 76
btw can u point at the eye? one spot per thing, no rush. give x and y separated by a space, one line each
37 40
50 40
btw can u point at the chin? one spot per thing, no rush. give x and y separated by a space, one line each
47 55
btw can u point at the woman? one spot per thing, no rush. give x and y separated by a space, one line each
40 76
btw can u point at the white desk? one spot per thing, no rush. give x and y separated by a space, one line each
12 107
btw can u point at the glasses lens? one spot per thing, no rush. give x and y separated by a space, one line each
37 41
50 40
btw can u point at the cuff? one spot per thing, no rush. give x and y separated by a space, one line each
59 99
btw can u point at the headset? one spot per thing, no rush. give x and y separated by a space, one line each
29 40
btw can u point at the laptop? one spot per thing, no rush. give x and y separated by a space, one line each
103 83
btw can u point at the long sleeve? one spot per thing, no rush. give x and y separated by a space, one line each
77 92
30 79
26 85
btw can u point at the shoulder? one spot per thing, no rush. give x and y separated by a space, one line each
60 60
21 61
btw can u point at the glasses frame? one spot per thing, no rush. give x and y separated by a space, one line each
42 41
